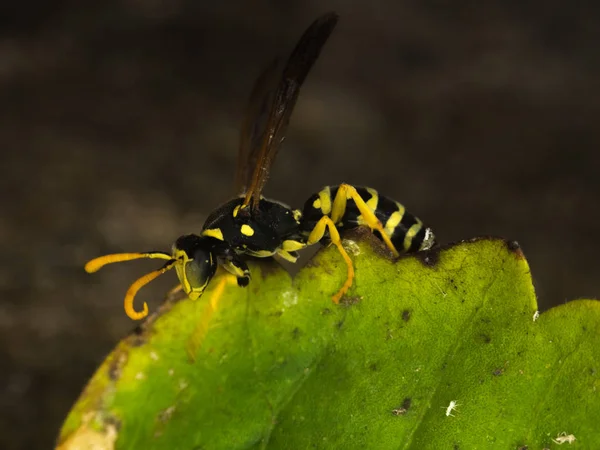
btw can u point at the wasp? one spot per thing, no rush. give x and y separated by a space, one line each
253 226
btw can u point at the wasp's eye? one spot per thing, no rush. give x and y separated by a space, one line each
197 273
199 270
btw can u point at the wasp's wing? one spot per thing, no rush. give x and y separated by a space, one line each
280 106
253 126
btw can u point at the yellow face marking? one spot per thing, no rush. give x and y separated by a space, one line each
214 232
246 230
317 204
325 197
292 246
236 210
182 259
372 202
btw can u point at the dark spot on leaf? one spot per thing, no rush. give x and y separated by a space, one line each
485 338
429 258
113 421
373 367
325 312
276 314
136 340
406 403
456 447
498 372
116 364
339 325
406 315
165 414
523 447
139 335
452 283
514 247
296 333
350 300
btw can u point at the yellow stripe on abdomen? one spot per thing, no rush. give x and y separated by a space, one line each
394 220
411 233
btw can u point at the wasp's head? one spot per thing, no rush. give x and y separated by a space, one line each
193 258
195 263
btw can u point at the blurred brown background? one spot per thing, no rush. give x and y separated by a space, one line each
119 125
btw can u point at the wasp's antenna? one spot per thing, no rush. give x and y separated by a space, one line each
137 285
98 263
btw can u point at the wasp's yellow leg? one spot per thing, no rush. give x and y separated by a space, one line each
289 248
346 192
239 268
317 234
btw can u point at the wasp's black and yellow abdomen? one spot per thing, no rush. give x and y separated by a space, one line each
405 231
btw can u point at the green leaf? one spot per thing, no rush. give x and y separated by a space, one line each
278 365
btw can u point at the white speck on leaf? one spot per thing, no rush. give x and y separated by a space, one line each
290 298
564 437
451 407
351 247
